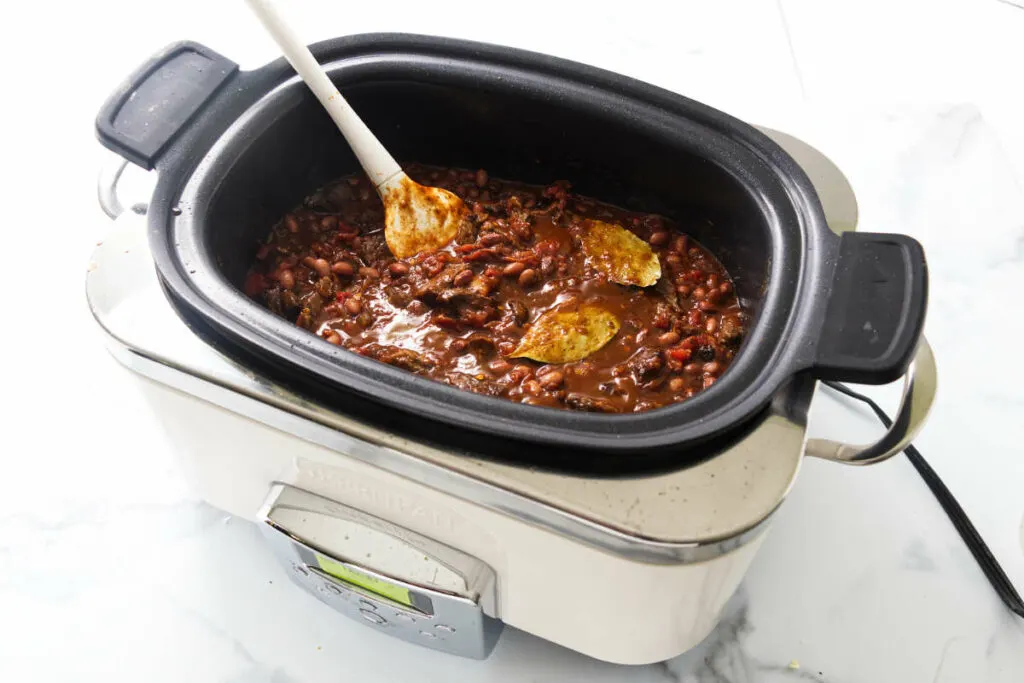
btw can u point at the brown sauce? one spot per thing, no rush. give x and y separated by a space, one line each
455 315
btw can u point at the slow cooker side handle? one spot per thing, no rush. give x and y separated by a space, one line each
919 385
876 309
151 108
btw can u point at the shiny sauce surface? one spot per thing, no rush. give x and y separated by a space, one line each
458 314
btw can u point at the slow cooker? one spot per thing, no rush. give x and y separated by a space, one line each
434 514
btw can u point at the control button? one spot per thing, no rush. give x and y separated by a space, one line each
367 605
332 588
445 628
299 569
428 635
405 617
373 617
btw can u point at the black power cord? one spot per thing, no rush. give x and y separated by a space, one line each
993 572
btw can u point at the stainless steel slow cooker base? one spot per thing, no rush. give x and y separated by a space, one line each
690 515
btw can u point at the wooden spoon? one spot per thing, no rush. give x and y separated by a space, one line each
416 218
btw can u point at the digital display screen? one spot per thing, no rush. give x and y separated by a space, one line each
377 586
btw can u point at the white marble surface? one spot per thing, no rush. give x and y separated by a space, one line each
111 570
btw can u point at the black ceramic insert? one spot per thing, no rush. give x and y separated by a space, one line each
235 150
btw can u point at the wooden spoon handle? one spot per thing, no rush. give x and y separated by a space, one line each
378 163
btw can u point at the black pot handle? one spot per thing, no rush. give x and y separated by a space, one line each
876 309
147 112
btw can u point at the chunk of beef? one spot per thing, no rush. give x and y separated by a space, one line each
372 248
518 311
480 344
441 289
471 383
400 358
467 231
589 404
646 364
432 288
730 332
665 287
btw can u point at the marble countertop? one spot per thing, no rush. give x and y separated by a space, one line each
111 569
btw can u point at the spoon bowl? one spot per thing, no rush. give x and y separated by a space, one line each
418 218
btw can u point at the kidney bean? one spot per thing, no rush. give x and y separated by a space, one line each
322 267
725 287
353 305
480 178
714 296
676 384
706 306
713 281
669 338
343 268
398 268
368 272
527 277
693 368
699 294
291 224
552 380
659 238
329 223
684 290
711 325
499 366
712 368
674 260
708 381
463 278
533 387
513 269
694 318
519 373
286 278
492 239
680 245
